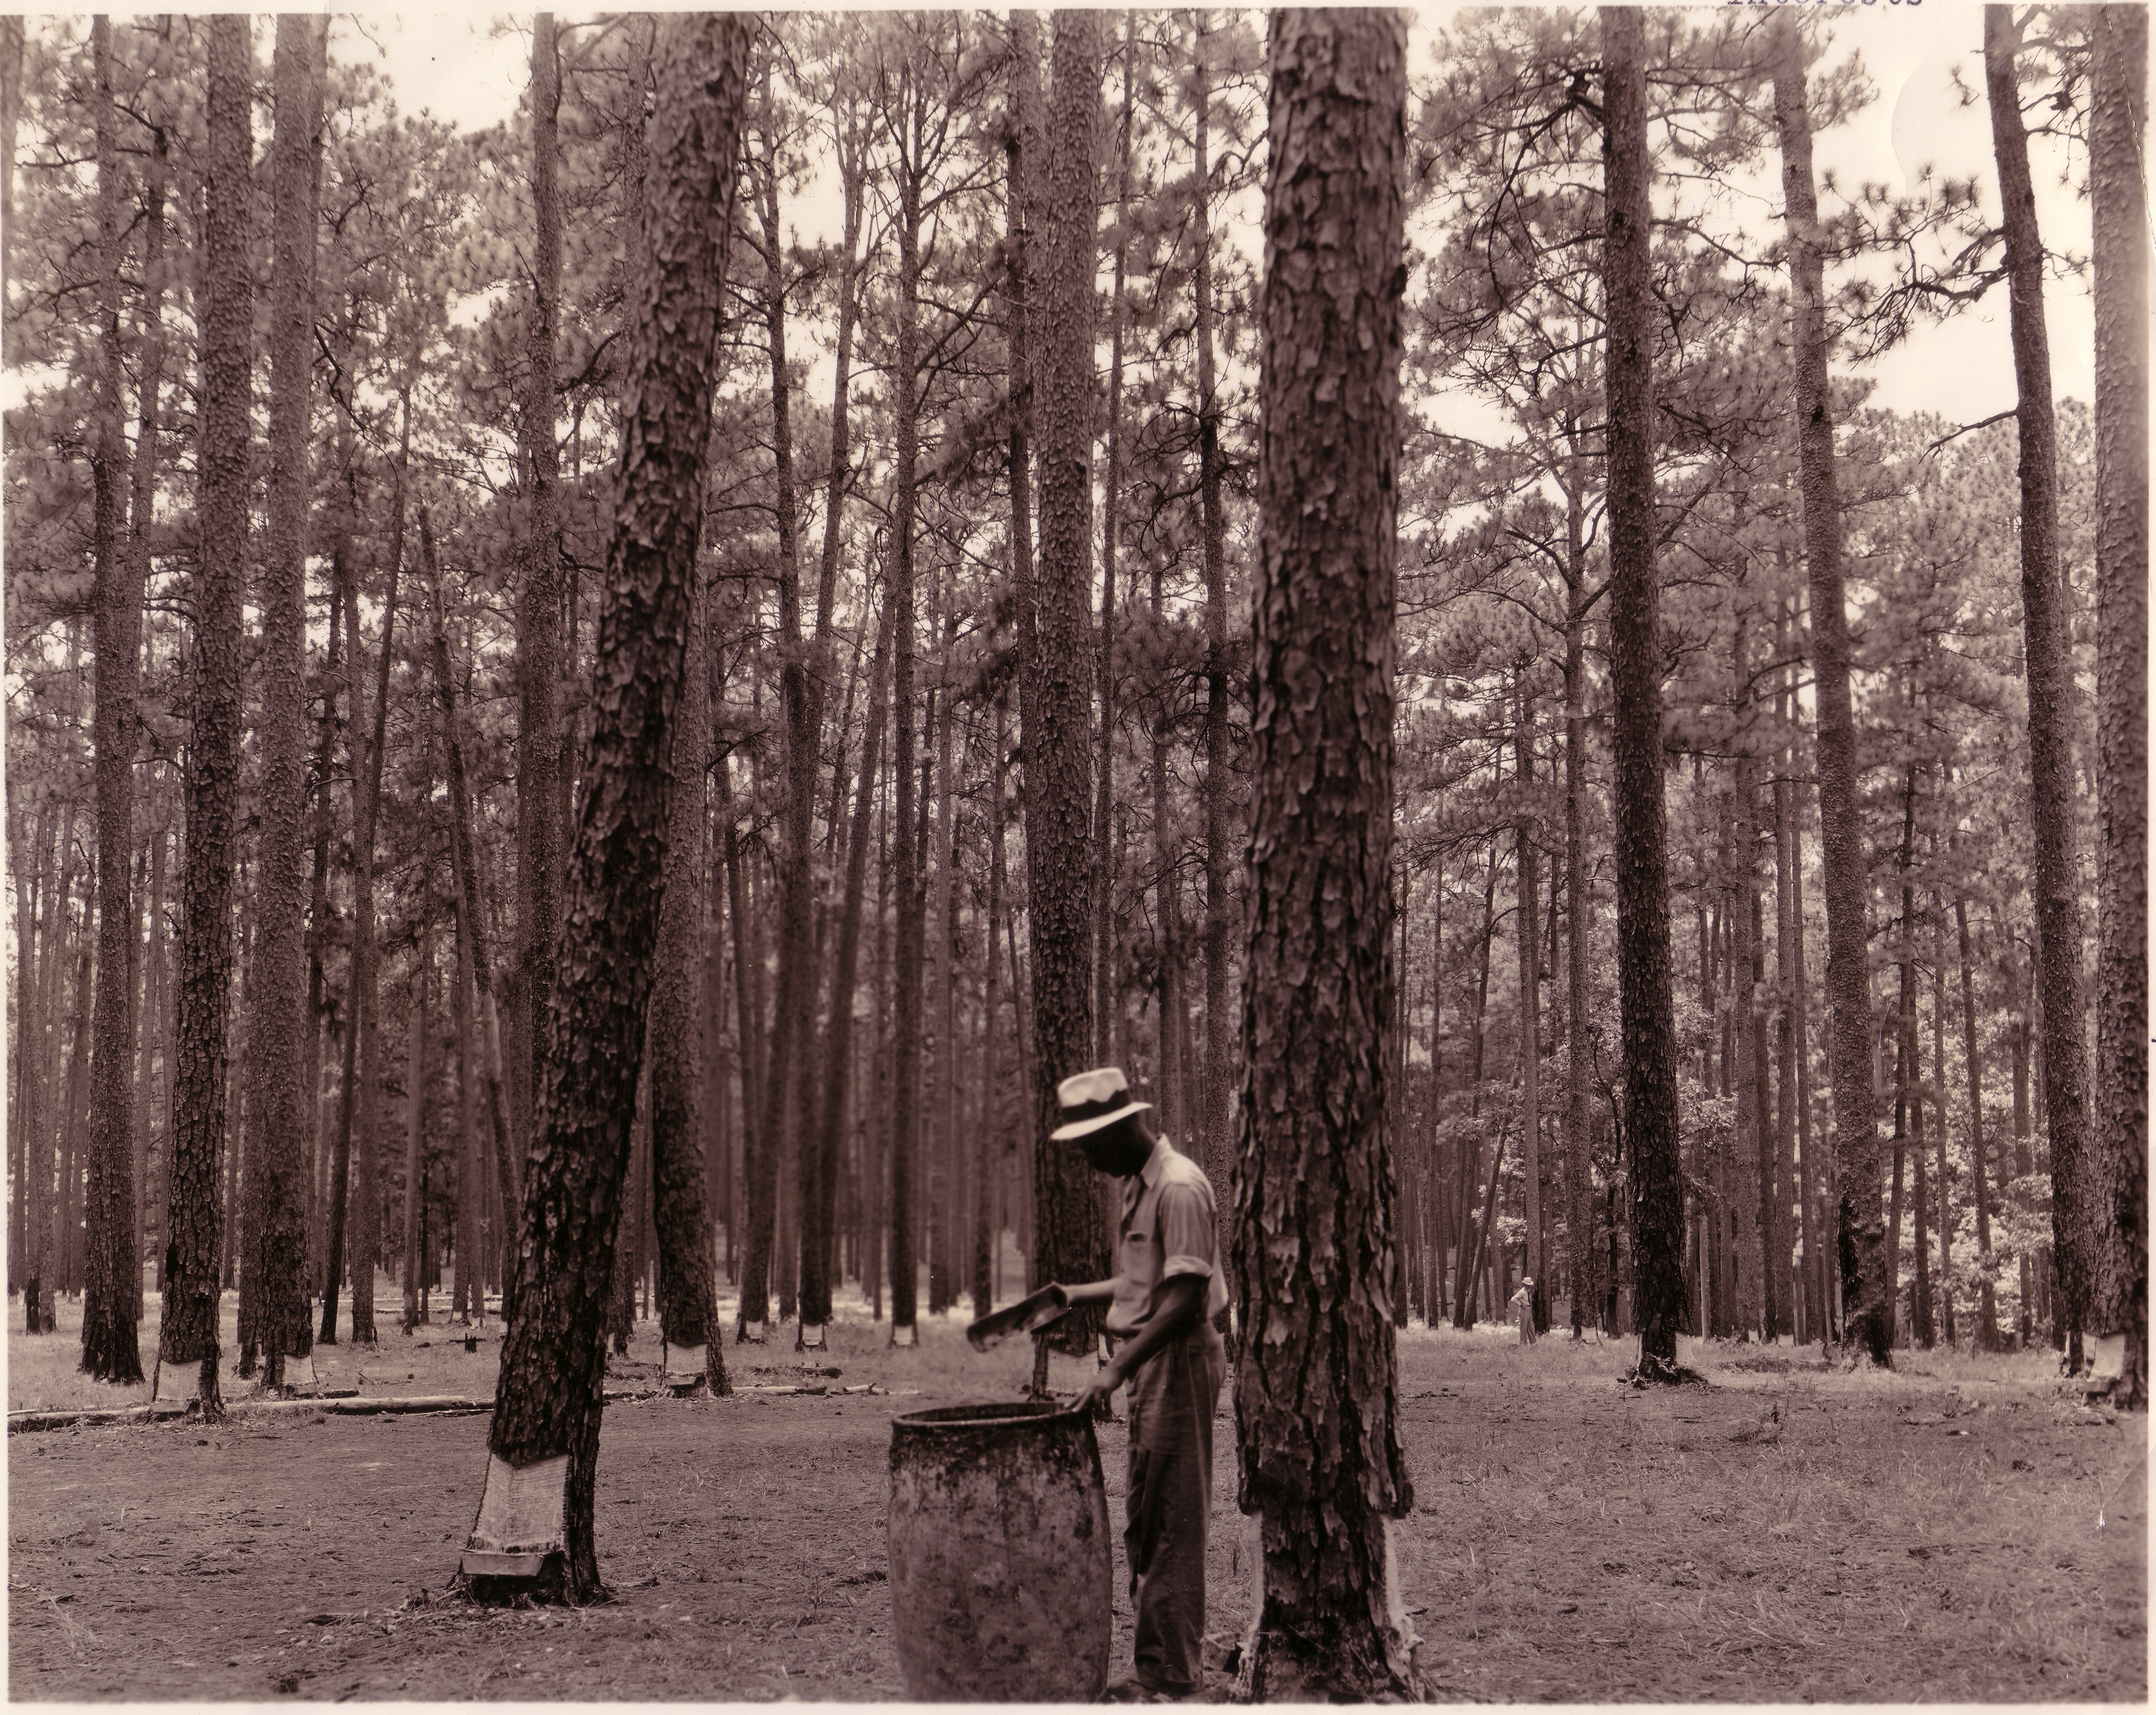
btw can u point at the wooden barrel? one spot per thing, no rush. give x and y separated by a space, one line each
1000 1560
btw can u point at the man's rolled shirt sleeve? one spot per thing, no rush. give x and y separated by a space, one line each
1187 1238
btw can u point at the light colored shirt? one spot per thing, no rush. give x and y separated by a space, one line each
1165 1229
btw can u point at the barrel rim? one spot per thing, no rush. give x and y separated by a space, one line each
988 1415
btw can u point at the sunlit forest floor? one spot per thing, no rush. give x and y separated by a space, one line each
1959 1530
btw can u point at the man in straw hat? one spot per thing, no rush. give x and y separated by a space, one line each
1522 1307
1167 1291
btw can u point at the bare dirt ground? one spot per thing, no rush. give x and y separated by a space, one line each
1958 1531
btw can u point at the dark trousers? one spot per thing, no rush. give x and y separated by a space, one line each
1170 1403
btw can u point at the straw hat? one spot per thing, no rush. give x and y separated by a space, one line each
1089 1101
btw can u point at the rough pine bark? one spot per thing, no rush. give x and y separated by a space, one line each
1790 1045
154 1062
1987 1323
335 667
468 1303
2118 1195
39 1282
113 1264
1752 1126
1578 906
362 1087
1070 1240
991 1140
1111 496
11 118
484 1043
1214 532
415 1113
940 1217
1647 1014
906 875
142 506
275 1169
194 1225
28 870
2048 652
1868 1316
688 1303
1527 920
542 750
1316 1408
548 1401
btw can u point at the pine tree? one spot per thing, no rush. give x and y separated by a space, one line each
544 750
275 1255
2049 655
188 1330
1647 1019
544 1442
1315 1411
2116 1203
1868 1314
113 1275
1070 1240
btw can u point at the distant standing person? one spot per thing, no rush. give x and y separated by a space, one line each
1167 1290
1523 1306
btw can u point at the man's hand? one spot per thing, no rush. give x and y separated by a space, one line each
1106 1380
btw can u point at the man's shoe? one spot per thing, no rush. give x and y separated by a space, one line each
1136 1690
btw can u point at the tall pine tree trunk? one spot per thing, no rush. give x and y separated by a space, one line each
544 1441
2048 646
1104 846
187 1331
113 1274
688 1292
153 1114
1869 1319
1071 1242
1788 1031
1214 1111
906 875
989 1149
143 505
940 1215
2118 1149
362 1070
1316 1409
1760 1254
1986 1324
1578 909
1647 1004
415 1115
28 866
483 1067
544 746
277 1107
11 118
1527 920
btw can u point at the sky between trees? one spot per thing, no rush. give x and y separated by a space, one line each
468 65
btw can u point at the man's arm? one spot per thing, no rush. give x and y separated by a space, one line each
1178 1307
1092 1292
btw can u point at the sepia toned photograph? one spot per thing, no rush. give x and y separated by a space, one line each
1107 856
